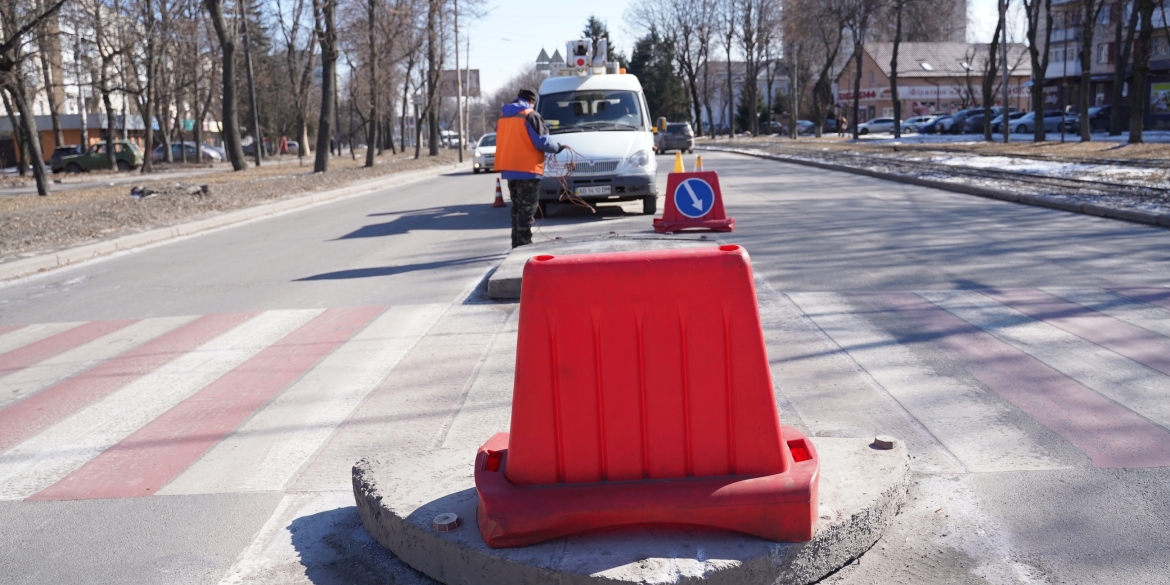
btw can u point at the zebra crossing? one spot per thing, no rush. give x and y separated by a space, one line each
977 381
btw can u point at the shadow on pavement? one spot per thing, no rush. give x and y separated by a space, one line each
335 549
392 270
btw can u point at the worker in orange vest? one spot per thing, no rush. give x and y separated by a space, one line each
522 141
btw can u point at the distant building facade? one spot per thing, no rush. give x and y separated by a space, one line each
933 78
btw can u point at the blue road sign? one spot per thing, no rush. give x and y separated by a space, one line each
694 198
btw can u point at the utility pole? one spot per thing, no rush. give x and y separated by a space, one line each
1003 6
251 86
458 84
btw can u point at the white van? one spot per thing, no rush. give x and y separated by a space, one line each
601 115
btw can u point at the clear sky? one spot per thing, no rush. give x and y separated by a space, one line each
512 32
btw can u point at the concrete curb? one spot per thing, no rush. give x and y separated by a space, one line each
397 498
1131 215
69 256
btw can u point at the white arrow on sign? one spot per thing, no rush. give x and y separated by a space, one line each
695 201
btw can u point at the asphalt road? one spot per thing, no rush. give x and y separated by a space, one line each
1017 350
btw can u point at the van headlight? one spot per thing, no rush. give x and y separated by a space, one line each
638 160
477 153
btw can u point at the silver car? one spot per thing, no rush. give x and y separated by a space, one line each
876 125
1054 121
484 158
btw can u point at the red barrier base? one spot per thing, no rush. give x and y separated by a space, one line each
780 507
715 225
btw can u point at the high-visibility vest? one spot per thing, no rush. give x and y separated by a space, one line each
514 150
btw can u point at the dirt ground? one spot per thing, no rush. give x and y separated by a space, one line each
1072 150
31 225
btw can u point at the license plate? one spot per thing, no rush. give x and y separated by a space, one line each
602 190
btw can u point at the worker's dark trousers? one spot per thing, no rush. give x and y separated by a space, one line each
525 196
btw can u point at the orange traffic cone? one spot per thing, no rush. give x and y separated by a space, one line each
499 202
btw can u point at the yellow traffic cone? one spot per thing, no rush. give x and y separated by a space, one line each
678 164
698 163
499 202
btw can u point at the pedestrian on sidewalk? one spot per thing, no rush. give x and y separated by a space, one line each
522 141
842 124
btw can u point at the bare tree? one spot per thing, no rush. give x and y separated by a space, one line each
1124 52
1141 71
226 32
1090 12
325 19
15 27
857 16
1037 13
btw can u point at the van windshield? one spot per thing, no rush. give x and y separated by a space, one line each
599 109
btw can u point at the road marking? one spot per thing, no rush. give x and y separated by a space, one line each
1120 307
268 450
1130 384
1110 435
295 539
45 458
45 348
23 384
974 426
22 336
1140 345
831 394
152 456
1152 295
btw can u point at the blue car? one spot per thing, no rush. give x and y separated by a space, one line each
938 125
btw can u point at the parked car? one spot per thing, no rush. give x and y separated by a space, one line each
959 118
62 152
1098 118
678 136
997 122
209 154
1053 122
484 157
938 125
911 124
127 156
292 147
830 125
876 125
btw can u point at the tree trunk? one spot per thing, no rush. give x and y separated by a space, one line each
325 12
1037 10
1085 99
372 137
230 116
857 48
28 131
432 110
1138 94
258 150
20 143
898 9
989 74
1123 53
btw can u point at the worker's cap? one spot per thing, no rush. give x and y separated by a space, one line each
527 95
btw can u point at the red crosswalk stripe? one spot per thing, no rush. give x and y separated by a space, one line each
151 457
1110 434
23 357
39 411
1140 345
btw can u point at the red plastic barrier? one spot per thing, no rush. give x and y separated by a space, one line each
643 395
693 201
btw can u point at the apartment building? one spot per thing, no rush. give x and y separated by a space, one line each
1063 76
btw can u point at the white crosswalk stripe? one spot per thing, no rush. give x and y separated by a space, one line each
49 456
59 367
267 451
975 426
1126 382
32 334
1119 307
